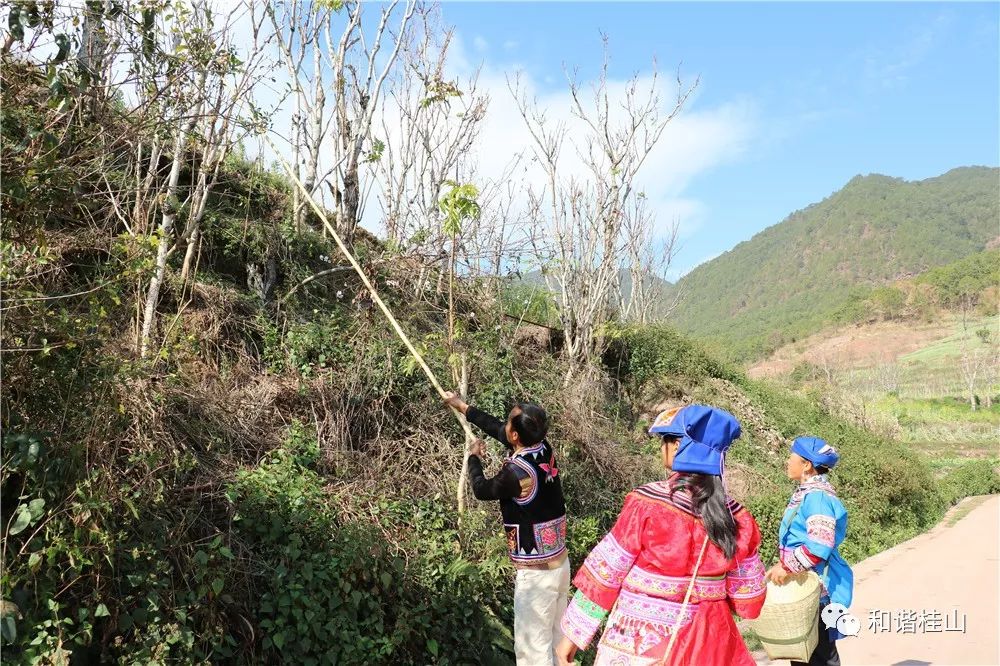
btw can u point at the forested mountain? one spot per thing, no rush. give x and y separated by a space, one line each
792 278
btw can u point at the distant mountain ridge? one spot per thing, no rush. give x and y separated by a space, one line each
789 279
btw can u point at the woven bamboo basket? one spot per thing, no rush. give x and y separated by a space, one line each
788 625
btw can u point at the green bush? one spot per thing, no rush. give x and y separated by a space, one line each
106 575
638 354
335 592
976 477
768 510
143 527
888 490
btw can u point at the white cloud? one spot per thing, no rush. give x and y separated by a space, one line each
701 138
890 66
696 141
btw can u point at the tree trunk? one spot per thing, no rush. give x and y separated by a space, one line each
153 294
313 132
92 52
166 233
352 202
192 246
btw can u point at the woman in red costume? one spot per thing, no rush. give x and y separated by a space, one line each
638 575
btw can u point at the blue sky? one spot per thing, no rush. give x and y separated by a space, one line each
796 98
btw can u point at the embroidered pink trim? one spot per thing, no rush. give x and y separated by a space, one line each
609 562
790 558
655 611
821 529
747 579
578 626
673 587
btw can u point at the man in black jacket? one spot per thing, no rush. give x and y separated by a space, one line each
534 515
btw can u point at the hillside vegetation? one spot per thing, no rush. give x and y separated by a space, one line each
820 263
918 359
215 449
278 485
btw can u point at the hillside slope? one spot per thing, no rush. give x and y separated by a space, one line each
790 279
276 482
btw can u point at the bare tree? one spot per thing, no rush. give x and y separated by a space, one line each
972 364
92 61
358 86
828 368
329 136
229 116
885 376
429 123
299 27
584 215
428 126
197 85
642 297
991 375
177 94
498 243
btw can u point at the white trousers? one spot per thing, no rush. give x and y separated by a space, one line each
540 598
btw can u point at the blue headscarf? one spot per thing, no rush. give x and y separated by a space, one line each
816 451
706 434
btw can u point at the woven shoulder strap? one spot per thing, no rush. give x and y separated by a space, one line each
687 598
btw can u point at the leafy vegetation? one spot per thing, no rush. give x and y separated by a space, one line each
978 477
823 263
941 399
177 516
274 480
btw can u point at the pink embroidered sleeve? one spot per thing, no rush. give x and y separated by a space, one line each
745 583
821 529
602 573
599 580
747 587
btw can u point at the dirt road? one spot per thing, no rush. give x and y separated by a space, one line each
915 599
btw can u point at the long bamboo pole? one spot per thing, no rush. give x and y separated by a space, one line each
469 435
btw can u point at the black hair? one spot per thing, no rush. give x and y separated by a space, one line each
708 496
530 424
821 469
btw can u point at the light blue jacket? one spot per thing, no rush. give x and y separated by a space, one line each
816 520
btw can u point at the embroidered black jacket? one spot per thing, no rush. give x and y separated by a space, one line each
530 495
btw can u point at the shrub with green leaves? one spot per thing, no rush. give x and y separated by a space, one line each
638 354
334 591
975 477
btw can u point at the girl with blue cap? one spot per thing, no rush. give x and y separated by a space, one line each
812 529
680 560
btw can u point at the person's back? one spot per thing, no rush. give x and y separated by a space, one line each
651 554
673 537
534 516
535 520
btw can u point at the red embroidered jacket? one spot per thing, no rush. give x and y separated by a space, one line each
646 562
